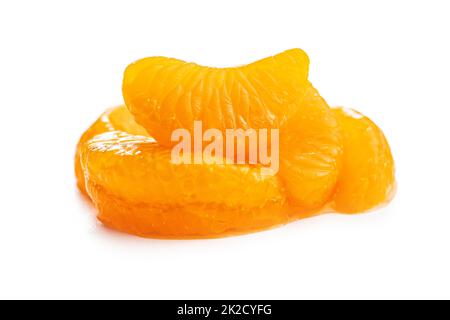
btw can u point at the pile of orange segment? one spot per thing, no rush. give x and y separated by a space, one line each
330 159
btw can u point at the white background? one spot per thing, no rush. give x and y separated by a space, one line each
61 65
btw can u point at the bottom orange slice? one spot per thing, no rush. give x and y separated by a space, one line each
137 189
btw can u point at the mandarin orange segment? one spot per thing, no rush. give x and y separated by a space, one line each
310 153
166 94
328 158
137 188
367 178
